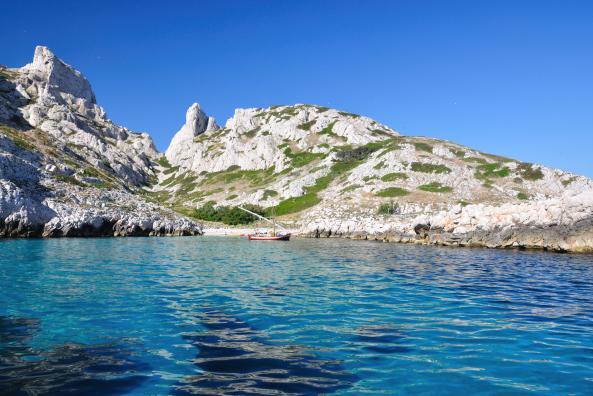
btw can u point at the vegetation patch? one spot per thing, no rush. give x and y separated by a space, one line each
394 176
390 208
522 196
529 172
380 165
268 194
306 126
498 158
346 114
381 132
170 170
68 179
252 132
302 158
297 204
420 146
389 145
17 138
457 152
567 182
230 215
484 171
350 188
90 172
328 130
435 187
475 159
360 153
234 173
393 192
164 162
429 168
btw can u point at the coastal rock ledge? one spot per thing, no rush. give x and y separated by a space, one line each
563 224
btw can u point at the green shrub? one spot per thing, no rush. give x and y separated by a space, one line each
350 188
269 193
420 146
68 179
226 214
435 187
302 158
90 172
297 204
306 126
522 196
252 132
393 192
567 182
348 114
390 208
485 171
360 153
394 176
164 162
527 171
429 168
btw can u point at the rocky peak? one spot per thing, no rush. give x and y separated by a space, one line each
197 122
57 77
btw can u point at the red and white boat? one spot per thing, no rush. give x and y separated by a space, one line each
267 236
263 237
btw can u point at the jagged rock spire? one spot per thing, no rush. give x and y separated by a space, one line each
59 77
196 123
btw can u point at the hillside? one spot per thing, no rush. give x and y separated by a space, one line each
331 172
65 168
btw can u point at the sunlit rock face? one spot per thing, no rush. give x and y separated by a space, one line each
65 168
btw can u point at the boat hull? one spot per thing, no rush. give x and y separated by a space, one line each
269 238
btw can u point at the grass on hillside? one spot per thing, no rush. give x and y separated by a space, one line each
435 187
420 146
485 171
393 192
296 204
394 176
302 158
429 168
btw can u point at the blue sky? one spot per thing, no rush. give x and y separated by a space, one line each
508 77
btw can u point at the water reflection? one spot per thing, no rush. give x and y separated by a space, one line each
107 369
237 359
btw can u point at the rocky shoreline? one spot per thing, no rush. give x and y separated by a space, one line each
563 224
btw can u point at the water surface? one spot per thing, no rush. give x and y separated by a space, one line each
214 315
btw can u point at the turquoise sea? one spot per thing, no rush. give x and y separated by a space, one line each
214 315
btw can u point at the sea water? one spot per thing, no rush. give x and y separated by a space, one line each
215 315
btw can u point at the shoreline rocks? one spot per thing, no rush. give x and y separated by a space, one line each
563 224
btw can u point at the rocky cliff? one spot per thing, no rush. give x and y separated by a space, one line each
65 168
332 173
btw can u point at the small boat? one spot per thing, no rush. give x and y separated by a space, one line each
267 236
260 237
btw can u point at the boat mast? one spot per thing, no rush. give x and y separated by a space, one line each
263 218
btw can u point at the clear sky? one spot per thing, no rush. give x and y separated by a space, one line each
509 77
